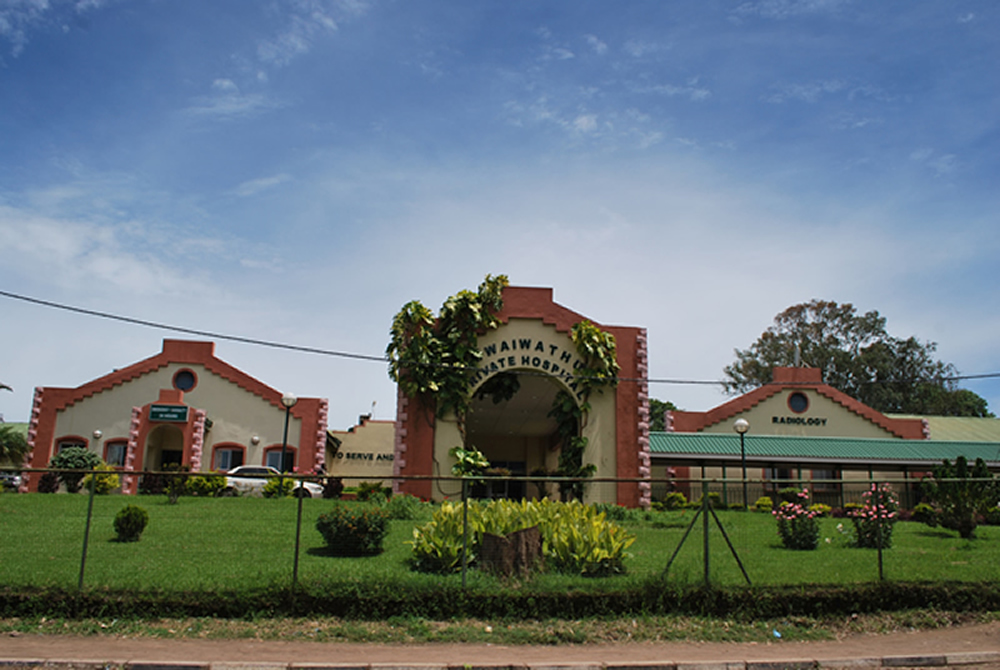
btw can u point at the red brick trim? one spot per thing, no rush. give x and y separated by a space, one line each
797 379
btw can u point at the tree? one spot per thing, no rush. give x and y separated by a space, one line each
434 357
657 409
13 445
961 495
857 356
74 458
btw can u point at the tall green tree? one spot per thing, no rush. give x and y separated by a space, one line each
858 356
961 495
13 444
657 409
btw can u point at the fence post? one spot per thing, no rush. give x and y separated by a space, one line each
878 529
298 537
86 530
465 529
704 526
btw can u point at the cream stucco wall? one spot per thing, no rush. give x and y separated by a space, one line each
823 418
365 453
236 414
529 345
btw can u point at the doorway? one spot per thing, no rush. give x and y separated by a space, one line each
517 437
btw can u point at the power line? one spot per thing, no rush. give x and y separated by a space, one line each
192 331
369 357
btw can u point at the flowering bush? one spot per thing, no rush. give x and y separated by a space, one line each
879 510
798 526
354 529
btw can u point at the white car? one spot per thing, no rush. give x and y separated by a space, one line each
251 479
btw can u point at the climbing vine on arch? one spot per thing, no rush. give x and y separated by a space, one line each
433 358
599 369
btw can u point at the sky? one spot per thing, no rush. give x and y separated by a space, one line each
296 170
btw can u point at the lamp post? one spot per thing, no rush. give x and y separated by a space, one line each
741 426
288 400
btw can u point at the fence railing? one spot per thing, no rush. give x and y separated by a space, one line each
268 541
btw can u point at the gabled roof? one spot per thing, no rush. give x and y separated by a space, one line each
174 351
530 302
794 378
774 449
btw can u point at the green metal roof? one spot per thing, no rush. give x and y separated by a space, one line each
787 449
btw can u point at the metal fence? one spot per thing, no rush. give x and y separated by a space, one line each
707 538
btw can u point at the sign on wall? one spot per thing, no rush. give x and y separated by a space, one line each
172 413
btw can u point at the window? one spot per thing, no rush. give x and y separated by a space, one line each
798 402
273 459
227 458
70 442
185 380
115 452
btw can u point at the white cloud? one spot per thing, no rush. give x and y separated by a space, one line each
307 22
784 9
690 91
19 17
229 102
226 86
639 48
941 164
810 92
254 186
596 44
585 123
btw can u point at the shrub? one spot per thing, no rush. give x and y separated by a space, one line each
763 504
674 500
875 517
820 509
48 483
105 482
278 487
962 495
404 507
333 488
373 492
175 481
925 513
130 521
74 458
789 494
576 538
714 499
437 545
798 527
354 529
205 486
614 512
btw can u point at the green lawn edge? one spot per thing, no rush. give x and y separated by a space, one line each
448 602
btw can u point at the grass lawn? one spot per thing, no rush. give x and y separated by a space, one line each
234 543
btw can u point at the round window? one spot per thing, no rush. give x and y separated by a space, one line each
798 402
185 380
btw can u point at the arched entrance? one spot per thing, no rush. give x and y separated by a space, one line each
164 445
517 435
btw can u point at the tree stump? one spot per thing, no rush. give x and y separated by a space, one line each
516 554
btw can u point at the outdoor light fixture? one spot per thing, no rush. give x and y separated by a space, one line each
288 400
741 426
